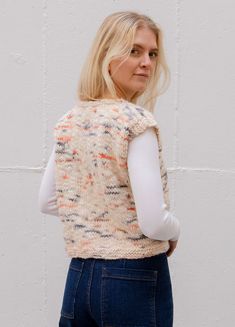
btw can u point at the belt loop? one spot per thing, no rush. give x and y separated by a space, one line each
124 263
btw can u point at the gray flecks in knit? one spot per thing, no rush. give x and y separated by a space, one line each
93 190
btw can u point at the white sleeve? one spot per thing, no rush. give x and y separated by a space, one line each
144 172
47 195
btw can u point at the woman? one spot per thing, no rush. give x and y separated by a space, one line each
107 182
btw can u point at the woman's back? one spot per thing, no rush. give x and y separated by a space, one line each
95 200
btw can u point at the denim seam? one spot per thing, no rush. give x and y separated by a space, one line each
129 278
89 288
75 268
155 310
101 298
71 315
156 307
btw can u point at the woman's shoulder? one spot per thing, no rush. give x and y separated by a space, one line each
140 119
67 115
64 122
121 110
138 111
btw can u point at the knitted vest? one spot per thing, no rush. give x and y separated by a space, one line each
94 196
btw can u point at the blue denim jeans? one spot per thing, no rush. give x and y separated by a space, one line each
118 293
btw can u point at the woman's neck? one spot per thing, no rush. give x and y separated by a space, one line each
107 95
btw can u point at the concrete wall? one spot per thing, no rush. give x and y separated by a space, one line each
43 45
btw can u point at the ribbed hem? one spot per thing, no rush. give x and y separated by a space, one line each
118 253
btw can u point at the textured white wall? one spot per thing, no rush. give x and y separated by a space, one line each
43 45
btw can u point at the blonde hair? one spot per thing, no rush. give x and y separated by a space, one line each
114 40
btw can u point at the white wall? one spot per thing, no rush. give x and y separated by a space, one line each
43 45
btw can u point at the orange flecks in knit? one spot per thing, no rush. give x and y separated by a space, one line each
64 138
102 155
133 209
94 195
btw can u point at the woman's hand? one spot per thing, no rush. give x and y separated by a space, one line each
172 247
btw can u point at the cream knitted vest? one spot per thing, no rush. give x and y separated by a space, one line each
94 196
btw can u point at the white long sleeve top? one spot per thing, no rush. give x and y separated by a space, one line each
154 220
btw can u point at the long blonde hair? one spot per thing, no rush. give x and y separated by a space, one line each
114 40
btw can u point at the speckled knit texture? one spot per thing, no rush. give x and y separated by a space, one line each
93 190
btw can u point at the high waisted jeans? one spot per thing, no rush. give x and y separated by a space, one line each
118 293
